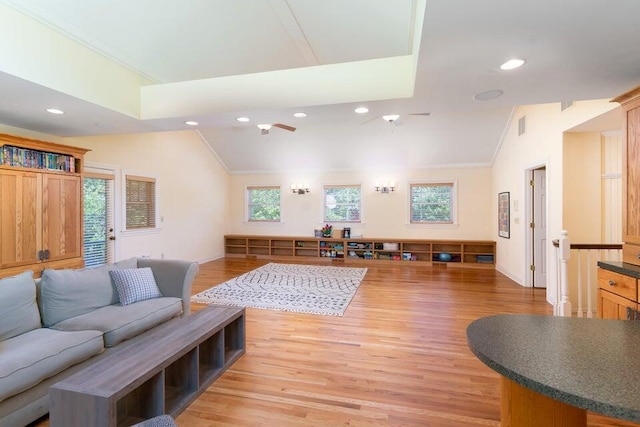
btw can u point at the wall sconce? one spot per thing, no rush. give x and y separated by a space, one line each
385 188
299 188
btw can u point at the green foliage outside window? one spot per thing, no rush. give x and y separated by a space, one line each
264 203
342 204
432 203
95 221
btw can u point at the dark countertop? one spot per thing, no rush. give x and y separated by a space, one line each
621 267
592 364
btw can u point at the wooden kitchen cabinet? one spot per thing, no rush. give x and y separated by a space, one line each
617 295
630 103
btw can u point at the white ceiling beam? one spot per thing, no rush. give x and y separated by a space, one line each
292 26
376 79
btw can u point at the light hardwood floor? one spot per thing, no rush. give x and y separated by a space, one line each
398 357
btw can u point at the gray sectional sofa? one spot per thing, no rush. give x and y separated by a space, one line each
68 319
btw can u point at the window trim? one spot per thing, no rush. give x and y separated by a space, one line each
324 204
248 210
126 175
454 202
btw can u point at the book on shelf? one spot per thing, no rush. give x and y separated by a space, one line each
35 159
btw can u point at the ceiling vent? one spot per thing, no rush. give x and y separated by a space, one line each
565 104
521 125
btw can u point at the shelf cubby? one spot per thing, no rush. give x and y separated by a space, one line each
281 247
258 246
211 357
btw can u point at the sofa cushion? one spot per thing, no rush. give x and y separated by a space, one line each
135 284
18 308
29 358
119 323
68 293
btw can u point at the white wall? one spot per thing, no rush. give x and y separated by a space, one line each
582 198
192 190
542 144
383 215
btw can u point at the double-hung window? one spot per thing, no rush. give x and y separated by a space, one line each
432 203
342 203
140 204
263 204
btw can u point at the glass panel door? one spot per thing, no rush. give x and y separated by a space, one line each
99 236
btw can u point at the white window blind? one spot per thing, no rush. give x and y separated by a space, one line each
98 218
140 202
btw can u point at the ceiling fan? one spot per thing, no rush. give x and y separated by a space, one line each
395 119
264 128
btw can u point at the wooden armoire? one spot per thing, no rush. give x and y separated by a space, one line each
41 207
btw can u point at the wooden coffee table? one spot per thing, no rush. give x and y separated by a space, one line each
162 373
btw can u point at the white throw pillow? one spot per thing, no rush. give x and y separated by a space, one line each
135 284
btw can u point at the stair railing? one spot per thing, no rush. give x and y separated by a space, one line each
576 268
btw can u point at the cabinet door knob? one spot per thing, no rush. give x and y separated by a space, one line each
612 283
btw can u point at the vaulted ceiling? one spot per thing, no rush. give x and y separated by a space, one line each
150 65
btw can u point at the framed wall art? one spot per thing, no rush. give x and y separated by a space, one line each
504 215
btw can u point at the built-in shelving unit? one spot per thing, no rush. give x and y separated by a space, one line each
461 253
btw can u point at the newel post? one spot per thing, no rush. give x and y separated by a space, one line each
565 253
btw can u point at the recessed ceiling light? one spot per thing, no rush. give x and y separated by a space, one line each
242 119
487 95
191 123
54 111
300 115
512 64
361 110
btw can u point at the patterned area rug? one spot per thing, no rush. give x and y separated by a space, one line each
289 287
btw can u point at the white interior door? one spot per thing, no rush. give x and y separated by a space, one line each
539 194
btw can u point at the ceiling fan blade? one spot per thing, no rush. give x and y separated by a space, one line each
419 114
285 127
370 120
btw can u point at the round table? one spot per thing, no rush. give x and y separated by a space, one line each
555 368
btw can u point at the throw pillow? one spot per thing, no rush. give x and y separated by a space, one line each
18 309
135 284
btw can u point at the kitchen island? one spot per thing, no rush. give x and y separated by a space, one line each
554 369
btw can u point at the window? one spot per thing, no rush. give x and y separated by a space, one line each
342 203
140 202
263 204
432 203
